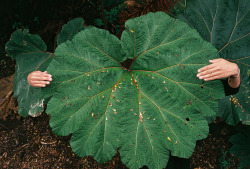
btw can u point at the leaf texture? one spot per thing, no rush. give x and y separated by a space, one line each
155 107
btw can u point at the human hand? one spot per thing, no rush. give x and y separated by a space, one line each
39 79
218 69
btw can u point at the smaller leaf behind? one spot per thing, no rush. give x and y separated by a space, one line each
21 42
29 52
70 29
236 108
225 24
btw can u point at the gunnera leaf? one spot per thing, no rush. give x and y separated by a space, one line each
225 24
155 106
241 147
235 108
70 29
29 52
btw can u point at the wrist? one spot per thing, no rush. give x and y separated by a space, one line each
236 73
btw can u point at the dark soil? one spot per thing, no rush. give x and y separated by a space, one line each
29 143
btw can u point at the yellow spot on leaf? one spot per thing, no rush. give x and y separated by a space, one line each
169 139
141 117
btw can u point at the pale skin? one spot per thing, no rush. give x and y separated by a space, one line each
39 79
218 69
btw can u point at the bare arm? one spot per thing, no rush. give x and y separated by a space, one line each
39 79
221 68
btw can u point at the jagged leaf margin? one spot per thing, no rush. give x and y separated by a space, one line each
155 106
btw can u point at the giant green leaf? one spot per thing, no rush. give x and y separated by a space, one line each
225 23
29 52
154 107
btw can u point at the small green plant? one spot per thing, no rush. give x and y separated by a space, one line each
241 147
224 163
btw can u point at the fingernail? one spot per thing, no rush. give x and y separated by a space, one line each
199 70
48 82
198 75
50 75
50 79
205 79
44 85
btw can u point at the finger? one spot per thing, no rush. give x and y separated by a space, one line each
40 82
214 60
37 73
206 72
39 85
45 74
46 77
39 78
213 74
206 68
41 74
212 78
